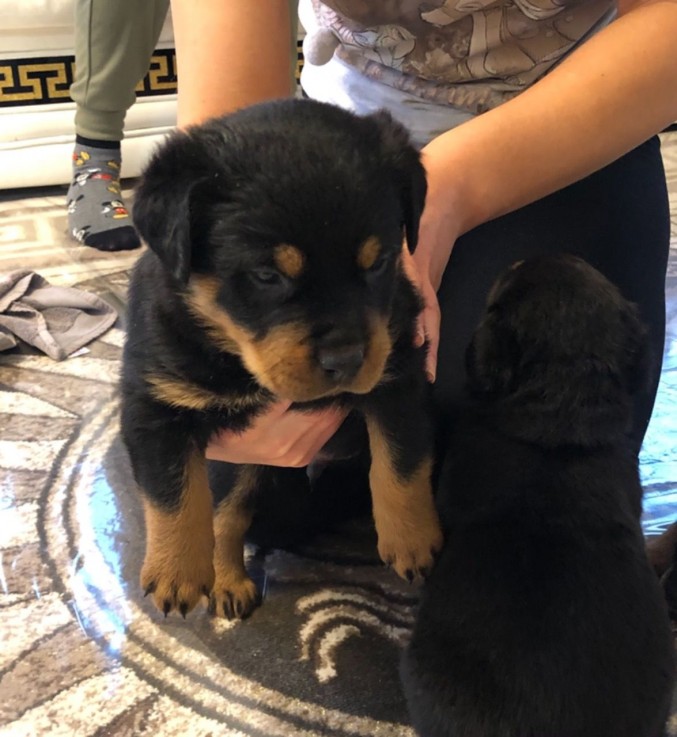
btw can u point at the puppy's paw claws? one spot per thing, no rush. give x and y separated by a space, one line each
150 589
172 585
234 597
411 556
229 605
408 526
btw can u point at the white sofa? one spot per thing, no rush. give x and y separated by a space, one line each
36 114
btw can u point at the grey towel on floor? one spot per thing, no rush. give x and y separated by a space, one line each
57 320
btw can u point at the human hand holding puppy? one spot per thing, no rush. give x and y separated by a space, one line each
278 437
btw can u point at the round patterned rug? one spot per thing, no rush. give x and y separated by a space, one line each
85 654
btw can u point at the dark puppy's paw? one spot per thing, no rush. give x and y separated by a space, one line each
175 585
233 597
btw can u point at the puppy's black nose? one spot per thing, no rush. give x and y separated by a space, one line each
341 363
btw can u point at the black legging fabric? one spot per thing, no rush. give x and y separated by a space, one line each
616 219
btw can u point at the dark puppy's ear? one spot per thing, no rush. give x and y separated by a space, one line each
162 203
408 172
492 358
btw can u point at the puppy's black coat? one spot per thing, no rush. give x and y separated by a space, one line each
275 270
542 617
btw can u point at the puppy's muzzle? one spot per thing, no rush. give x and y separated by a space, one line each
341 363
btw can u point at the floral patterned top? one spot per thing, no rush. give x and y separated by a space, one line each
472 54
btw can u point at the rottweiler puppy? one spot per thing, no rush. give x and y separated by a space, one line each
274 270
543 617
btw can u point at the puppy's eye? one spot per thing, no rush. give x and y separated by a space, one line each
267 277
380 265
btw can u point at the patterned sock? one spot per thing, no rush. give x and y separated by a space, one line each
97 215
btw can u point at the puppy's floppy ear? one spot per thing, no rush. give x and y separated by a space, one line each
492 356
408 173
162 210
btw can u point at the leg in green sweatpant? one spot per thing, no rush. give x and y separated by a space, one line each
114 40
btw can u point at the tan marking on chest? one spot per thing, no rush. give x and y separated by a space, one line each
183 394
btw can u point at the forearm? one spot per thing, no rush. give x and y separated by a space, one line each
610 95
230 53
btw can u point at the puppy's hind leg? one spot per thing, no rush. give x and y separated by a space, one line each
234 593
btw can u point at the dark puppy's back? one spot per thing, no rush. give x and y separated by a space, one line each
542 609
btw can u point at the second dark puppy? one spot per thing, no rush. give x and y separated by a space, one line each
274 270
543 617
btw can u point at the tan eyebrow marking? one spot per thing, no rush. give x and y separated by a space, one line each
368 252
289 260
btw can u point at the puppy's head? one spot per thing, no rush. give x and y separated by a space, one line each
561 347
282 226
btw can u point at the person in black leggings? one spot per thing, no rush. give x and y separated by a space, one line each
617 219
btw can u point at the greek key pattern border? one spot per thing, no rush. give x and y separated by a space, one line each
47 80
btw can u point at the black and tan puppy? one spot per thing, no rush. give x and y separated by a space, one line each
542 617
275 270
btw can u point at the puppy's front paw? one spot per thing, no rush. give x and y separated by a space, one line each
410 542
407 525
234 596
177 581
411 559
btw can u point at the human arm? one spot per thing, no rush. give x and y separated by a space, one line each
230 54
608 96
